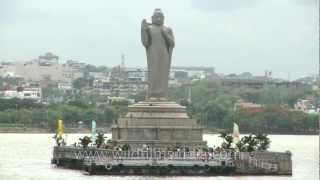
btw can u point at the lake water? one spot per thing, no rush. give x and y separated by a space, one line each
27 157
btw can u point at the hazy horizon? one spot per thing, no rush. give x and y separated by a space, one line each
231 36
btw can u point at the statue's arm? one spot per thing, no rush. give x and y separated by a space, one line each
169 38
145 37
168 35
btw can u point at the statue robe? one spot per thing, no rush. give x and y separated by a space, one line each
159 45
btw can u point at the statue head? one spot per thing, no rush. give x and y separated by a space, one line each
157 17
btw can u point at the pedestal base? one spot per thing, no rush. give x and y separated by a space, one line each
158 124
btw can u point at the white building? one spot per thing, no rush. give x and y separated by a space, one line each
192 72
102 83
22 93
75 65
136 74
304 105
37 72
65 86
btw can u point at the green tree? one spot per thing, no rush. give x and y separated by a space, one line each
227 140
100 139
263 142
85 141
82 82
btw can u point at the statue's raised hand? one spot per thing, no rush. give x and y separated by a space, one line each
144 25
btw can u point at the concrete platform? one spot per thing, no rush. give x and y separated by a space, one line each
160 124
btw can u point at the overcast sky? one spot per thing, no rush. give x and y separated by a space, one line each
233 36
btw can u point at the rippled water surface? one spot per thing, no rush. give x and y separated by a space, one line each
27 157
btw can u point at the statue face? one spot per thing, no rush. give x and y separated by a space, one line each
157 19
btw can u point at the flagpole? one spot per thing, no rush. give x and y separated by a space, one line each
93 131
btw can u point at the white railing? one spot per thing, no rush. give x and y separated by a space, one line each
109 155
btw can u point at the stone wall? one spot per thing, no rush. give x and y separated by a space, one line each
245 163
161 124
264 162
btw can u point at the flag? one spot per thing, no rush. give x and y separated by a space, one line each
235 134
60 128
93 131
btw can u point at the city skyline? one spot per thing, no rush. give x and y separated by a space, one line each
38 62
232 37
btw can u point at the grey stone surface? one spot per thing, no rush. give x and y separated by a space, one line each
261 161
159 42
157 122
161 124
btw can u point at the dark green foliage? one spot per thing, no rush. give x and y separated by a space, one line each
126 147
14 103
92 68
140 96
263 142
100 139
45 116
213 106
227 143
79 104
249 143
85 141
82 82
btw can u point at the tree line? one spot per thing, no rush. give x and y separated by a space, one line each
32 114
211 105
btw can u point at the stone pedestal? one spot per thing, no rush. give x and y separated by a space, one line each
157 124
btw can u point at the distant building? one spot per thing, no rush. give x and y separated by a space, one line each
48 59
179 75
305 105
248 106
311 80
191 72
65 86
174 83
22 93
125 81
112 99
136 74
75 65
102 83
37 72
